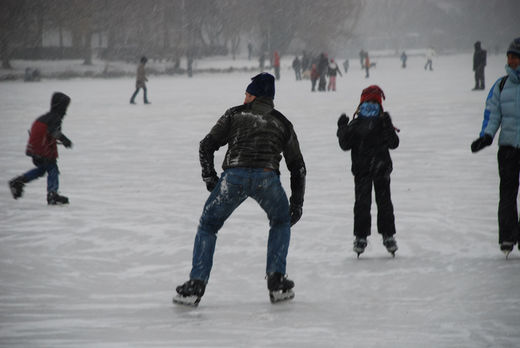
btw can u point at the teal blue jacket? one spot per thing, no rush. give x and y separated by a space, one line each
503 110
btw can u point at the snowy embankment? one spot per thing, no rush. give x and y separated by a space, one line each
102 271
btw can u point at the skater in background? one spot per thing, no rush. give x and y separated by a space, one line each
479 63
314 77
367 65
140 81
42 147
430 53
323 67
362 54
276 64
297 67
333 70
249 50
346 65
257 135
369 136
404 58
503 111
261 61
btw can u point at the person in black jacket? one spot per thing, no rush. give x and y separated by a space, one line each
256 135
42 147
369 137
479 63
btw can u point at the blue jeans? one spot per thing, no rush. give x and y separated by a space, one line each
233 188
51 168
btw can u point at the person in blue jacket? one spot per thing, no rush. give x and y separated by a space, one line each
503 111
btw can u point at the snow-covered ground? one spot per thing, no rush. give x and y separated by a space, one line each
101 272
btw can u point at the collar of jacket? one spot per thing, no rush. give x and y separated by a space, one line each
262 105
514 75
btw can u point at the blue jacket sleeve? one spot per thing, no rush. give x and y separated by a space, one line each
492 113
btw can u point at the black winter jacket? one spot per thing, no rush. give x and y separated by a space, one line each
370 139
256 135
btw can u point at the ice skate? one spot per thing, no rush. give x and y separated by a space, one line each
359 245
53 198
507 247
190 293
280 287
390 245
16 186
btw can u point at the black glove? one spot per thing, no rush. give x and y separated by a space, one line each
65 141
481 143
211 182
343 120
296 211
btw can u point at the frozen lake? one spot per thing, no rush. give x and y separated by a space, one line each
101 272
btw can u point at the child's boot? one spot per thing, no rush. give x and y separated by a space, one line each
53 198
16 185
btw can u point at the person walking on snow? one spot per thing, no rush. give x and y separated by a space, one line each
503 111
479 63
429 58
369 136
140 82
42 147
256 135
332 73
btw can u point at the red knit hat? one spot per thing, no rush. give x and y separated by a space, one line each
373 93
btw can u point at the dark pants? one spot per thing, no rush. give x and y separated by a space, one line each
137 91
385 208
428 64
233 188
277 72
509 170
479 78
44 166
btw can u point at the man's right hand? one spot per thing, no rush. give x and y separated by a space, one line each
211 182
481 143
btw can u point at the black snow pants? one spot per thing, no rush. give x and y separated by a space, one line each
479 78
385 209
509 170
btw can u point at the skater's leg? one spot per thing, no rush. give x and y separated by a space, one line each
52 177
362 218
509 168
33 174
269 193
145 95
385 208
132 99
223 200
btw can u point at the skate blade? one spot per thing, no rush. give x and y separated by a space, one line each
192 301
507 252
280 296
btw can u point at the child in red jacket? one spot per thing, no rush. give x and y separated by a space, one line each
42 147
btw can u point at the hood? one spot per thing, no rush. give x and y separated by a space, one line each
514 75
59 103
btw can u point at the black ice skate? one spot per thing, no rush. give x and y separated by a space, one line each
190 293
390 244
53 198
359 245
16 186
280 287
507 247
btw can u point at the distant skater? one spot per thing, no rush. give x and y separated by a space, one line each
140 81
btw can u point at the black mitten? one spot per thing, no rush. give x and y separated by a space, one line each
211 182
296 213
65 141
481 143
343 120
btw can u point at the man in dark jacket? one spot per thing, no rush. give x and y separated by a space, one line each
42 147
257 135
370 135
479 63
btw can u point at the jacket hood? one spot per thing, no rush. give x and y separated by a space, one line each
59 103
514 75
